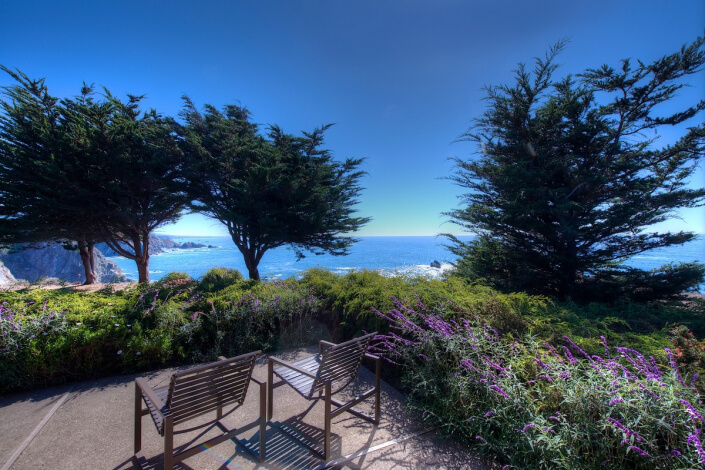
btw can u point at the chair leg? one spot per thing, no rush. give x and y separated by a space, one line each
326 436
262 421
138 419
377 390
168 443
270 389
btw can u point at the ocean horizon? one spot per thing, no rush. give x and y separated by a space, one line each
389 255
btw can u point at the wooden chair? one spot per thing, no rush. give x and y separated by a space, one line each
196 392
314 378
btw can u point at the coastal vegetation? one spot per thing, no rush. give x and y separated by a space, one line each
534 381
571 176
269 192
85 170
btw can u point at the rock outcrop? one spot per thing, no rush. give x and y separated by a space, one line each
191 245
6 277
436 264
53 260
156 245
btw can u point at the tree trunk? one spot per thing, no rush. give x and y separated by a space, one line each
85 249
143 270
251 262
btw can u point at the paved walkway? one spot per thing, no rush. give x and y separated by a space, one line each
89 425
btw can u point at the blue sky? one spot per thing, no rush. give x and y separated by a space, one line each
400 79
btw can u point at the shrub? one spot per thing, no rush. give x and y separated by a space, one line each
216 279
536 407
230 324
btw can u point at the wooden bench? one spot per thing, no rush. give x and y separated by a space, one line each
192 394
323 375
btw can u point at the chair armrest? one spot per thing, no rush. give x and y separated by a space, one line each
322 343
149 393
371 357
257 381
292 367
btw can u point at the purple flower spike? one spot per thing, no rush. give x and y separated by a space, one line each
694 440
641 452
500 391
694 414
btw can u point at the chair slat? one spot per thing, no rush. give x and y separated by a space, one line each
203 389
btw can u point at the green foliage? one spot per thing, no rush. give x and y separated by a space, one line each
570 177
216 279
85 170
534 407
178 319
269 192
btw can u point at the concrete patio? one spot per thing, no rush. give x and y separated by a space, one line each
89 425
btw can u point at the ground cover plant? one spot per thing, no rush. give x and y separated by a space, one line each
541 405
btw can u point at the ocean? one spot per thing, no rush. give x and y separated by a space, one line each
389 255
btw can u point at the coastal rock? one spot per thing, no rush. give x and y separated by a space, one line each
53 260
190 245
435 264
6 277
157 245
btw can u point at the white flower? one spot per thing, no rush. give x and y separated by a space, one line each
79 323
138 353
129 326
117 324
120 351
45 333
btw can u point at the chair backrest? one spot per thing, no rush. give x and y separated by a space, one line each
203 389
340 364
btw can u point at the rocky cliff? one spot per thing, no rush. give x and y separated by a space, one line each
53 260
6 277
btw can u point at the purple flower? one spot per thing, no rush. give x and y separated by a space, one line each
496 366
607 348
542 364
489 413
694 439
500 391
480 438
674 453
527 427
694 414
578 348
624 429
615 400
674 366
547 429
641 452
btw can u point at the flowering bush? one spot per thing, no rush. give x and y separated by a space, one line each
229 325
18 327
544 406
